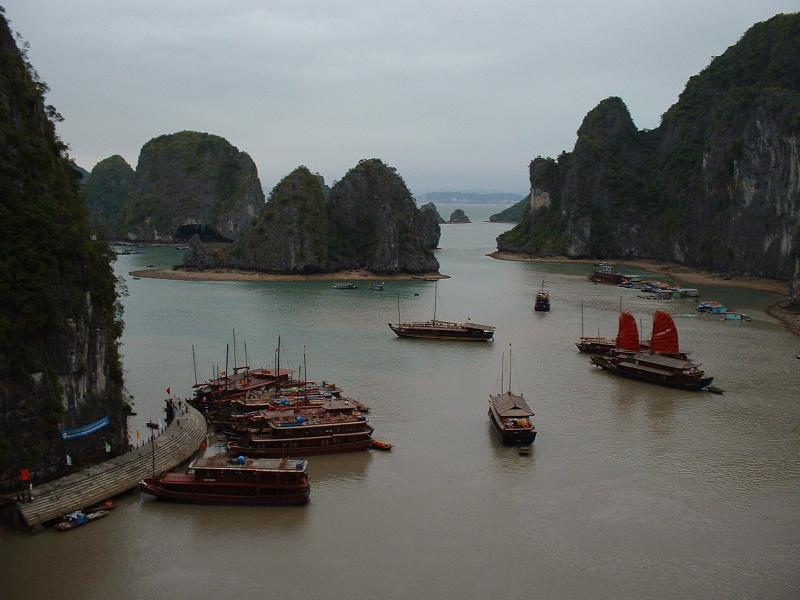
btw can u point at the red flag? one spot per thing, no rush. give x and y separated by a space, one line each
169 391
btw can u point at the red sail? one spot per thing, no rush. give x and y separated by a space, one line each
628 334
665 335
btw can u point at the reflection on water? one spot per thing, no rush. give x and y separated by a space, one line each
631 490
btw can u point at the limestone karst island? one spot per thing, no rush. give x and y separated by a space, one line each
332 301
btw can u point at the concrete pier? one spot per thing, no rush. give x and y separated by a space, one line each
99 482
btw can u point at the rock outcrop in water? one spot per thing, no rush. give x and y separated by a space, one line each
105 192
291 235
59 327
376 224
716 185
368 221
187 183
430 220
458 216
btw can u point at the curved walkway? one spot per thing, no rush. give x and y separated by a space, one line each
99 482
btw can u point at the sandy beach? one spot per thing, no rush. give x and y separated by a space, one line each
682 275
234 275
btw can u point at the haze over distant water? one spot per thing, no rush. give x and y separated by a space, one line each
456 96
470 198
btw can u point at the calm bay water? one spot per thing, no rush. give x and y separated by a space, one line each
632 491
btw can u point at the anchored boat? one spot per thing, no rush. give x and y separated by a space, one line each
224 480
542 303
663 365
441 330
510 415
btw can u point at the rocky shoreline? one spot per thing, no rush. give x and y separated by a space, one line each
681 274
236 275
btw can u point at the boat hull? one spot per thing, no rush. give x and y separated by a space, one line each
673 382
520 437
468 335
152 487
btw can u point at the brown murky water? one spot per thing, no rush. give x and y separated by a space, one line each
632 491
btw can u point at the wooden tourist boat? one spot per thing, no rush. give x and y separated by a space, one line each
345 286
441 330
663 365
224 480
305 434
510 415
606 274
542 302
380 445
444 330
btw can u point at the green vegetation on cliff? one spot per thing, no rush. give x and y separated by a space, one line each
105 192
59 323
514 213
708 187
194 181
368 221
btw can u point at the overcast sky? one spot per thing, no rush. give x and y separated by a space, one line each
455 95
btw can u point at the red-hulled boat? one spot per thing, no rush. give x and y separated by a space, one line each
224 480
662 365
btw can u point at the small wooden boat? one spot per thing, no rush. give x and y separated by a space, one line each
380 445
378 287
542 302
78 518
510 415
345 286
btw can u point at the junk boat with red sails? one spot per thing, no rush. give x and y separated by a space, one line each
224 480
664 364
510 415
441 330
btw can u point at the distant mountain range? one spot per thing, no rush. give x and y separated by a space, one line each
469 198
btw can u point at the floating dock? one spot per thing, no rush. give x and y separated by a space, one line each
93 485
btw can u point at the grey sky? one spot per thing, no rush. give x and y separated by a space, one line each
455 95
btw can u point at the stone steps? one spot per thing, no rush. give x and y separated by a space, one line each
99 482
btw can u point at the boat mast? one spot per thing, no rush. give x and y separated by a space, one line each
502 372
509 368
227 348
246 360
235 362
278 360
581 319
398 308
435 296
305 371
194 363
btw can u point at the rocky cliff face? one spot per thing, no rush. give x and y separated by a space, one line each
105 192
794 289
377 224
291 235
716 185
59 329
369 221
191 182
430 219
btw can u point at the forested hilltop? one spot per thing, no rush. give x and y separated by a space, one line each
368 221
184 183
59 324
716 185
